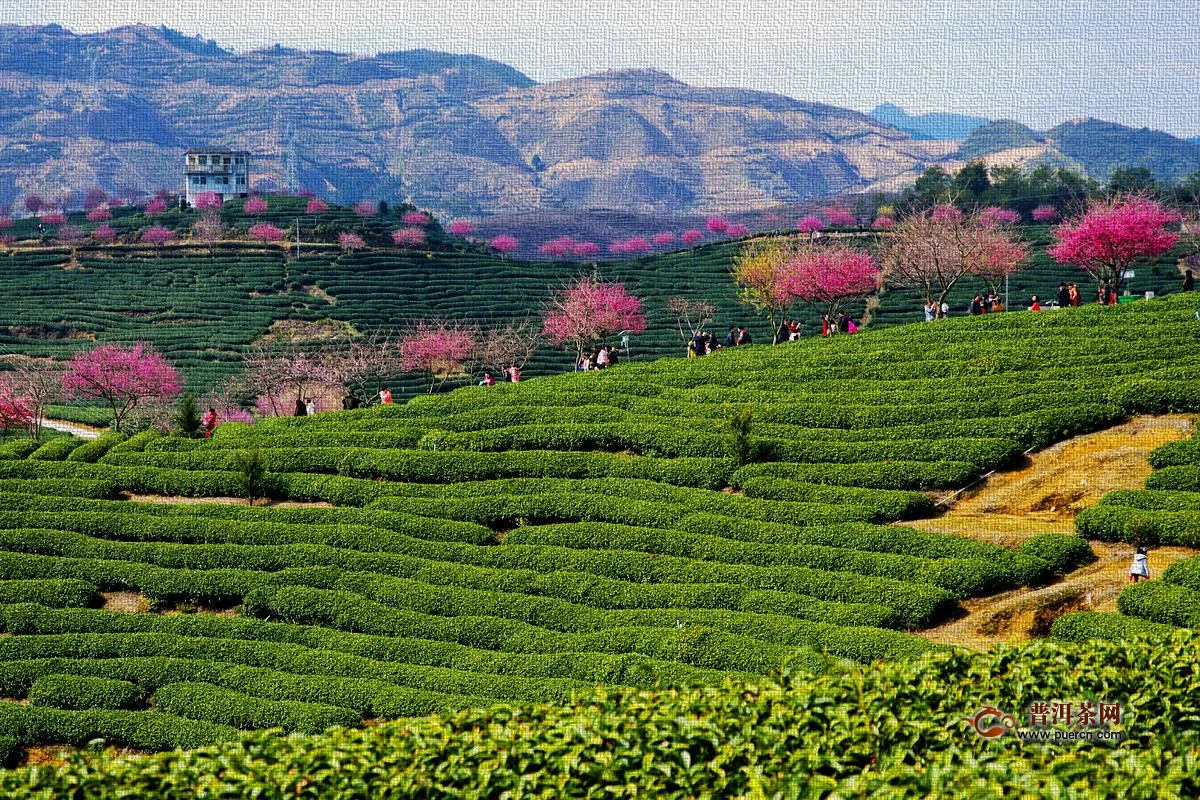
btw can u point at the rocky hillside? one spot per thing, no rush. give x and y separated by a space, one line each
459 134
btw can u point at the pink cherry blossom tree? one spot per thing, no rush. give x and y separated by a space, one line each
350 241
255 205
946 212
1045 214
883 222
104 233
366 208
282 374
810 225
587 312
716 225
156 234
691 236
99 214
95 198
736 229
840 217
418 219
54 218
69 234
438 349
265 232
996 257
828 276
15 413
760 270
994 216
585 250
409 237
504 244
663 239
316 206
207 201
34 203
633 246
560 247
27 391
155 206
123 377
461 228
1112 235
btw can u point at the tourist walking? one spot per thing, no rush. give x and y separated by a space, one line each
1140 568
385 396
1035 306
743 336
514 373
930 312
1064 296
301 409
310 406
210 422
731 337
1074 295
1189 283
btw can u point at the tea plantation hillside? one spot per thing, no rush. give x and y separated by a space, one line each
665 524
1166 512
884 731
203 307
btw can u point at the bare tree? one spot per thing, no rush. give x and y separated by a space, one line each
691 316
512 345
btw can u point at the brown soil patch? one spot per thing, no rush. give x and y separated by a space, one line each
56 755
228 501
1021 614
1043 497
126 602
316 291
1058 482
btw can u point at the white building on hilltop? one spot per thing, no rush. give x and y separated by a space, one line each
216 169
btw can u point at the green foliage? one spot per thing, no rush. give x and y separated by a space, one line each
187 417
740 424
252 474
1063 552
78 692
93 451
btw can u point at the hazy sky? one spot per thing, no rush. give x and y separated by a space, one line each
1132 61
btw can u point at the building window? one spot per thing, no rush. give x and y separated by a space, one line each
203 160
203 180
241 179
225 179
195 180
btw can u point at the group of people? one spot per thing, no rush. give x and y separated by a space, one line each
982 304
704 342
840 323
305 407
601 357
513 373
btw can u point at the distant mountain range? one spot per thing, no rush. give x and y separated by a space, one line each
467 136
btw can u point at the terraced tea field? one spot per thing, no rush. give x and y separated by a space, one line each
203 307
524 543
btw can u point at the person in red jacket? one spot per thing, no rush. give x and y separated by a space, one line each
210 422
1036 306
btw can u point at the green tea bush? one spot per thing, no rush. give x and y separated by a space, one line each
78 692
1159 601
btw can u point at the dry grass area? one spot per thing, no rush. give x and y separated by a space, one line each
126 602
229 501
1043 497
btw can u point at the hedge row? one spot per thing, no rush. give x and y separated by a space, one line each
541 657
1178 453
56 449
614 579
1159 601
1082 626
1184 573
920 475
1119 524
137 442
203 701
61 487
1152 500
724 639
18 449
56 592
1185 477
78 692
887 504
94 450
144 730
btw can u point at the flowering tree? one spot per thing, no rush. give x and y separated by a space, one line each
993 216
585 249
810 225
829 275
691 316
350 241
504 244
208 201
691 236
156 234
34 203
716 225
99 214
1045 214
265 232
461 228
760 270
438 349
511 345
155 206
27 391
634 246
123 377
1108 238
95 198
663 239
417 219
363 362
316 207
5 222
736 229
409 237
70 234
54 218
840 217
883 222
588 311
365 208
932 251
283 374
104 233
560 247
255 205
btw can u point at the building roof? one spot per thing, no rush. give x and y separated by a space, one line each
220 150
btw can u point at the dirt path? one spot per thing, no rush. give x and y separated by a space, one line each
225 501
73 428
1043 497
